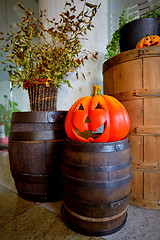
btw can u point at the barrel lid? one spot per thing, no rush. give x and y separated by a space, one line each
38 117
134 54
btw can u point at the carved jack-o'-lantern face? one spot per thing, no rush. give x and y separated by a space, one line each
149 41
90 113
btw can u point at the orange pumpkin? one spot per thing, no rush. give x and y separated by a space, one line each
149 41
90 113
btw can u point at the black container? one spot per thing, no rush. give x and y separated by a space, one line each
133 32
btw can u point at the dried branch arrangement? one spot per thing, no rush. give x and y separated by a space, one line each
36 54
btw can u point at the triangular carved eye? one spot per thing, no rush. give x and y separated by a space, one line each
81 107
98 106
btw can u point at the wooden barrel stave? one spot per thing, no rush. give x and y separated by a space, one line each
35 152
105 194
93 226
93 209
94 186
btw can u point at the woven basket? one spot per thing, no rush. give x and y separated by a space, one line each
42 98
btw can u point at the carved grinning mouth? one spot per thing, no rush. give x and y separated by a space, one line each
91 134
151 44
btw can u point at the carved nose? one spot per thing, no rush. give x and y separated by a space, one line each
87 120
150 42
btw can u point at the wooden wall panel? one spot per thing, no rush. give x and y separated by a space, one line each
137 186
127 76
108 85
136 147
151 72
151 186
135 111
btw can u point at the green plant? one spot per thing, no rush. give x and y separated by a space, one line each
155 13
113 46
38 54
6 113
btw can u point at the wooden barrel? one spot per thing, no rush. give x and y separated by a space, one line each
133 78
96 180
35 153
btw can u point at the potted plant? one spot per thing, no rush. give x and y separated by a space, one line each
5 117
39 58
131 30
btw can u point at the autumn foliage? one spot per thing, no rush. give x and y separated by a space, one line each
48 53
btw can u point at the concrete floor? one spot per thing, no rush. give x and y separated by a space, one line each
141 224
23 220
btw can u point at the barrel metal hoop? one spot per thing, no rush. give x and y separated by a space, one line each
90 219
39 117
98 168
97 147
36 136
23 177
71 199
137 94
98 184
120 202
56 116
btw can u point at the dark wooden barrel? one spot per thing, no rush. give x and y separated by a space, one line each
96 179
35 153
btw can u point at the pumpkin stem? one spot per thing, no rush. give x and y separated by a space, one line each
96 90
